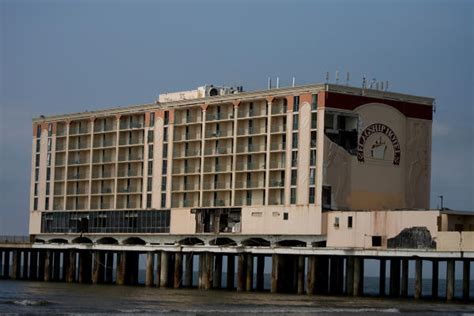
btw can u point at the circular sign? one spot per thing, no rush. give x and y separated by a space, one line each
378 147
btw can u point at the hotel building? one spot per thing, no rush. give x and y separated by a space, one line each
223 162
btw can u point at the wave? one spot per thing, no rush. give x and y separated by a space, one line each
29 302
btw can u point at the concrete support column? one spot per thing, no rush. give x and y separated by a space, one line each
164 281
301 268
350 276
16 262
404 280
260 272
109 268
450 279
382 275
33 265
178 270
217 275
47 266
150 263
466 275
275 272
41 261
188 270
121 264
434 279
158 269
395 277
85 269
6 264
98 267
249 273
311 277
70 266
207 270
56 265
230 271
418 278
26 258
241 279
357 288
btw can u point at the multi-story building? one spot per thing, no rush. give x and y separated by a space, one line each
228 162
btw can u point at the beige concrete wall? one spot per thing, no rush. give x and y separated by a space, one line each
455 241
182 221
366 224
302 220
379 183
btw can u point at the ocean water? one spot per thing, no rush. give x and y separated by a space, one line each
54 298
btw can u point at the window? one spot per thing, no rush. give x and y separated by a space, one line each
38 131
165 134
295 121
294 158
314 102
349 222
293 177
312 176
336 222
150 168
163 200
46 203
37 160
293 196
38 145
36 189
312 158
150 152
149 184
150 136
285 216
165 151
47 188
35 204
148 200
49 159
296 103
49 144
165 167
376 241
48 174
326 197
163 183
36 174
167 118
311 195
152 119
314 120
295 141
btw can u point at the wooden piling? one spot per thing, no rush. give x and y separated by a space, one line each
26 255
109 267
217 275
241 279
47 266
249 273
70 266
350 276
311 275
275 273
164 282
16 262
158 269
188 270
56 265
121 264
300 273
404 279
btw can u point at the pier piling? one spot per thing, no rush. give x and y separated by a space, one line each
434 279
404 279
230 271
450 280
164 269
260 272
150 262
466 279
418 278
188 270
178 270
395 277
217 275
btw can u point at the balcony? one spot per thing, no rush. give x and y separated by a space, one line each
220 133
221 185
187 119
130 173
186 187
217 168
250 166
78 176
131 142
100 128
251 113
124 125
60 146
186 153
178 137
109 143
78 130
123 158
79 146
219 116
277 183
278 128
129 190
99 175
185 170
278 146
218 151
251 148
276 164
279 109
79 191
248 184
79 161
106 159
251 131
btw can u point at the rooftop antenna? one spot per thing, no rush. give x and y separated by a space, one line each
441 198
347 78
327 76
269 83
294 81
337 76
364 82
278 82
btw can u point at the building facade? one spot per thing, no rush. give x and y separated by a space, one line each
268 162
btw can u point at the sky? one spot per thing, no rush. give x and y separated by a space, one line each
71 56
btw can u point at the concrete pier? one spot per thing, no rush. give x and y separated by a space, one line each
434 279
206 270
358 277
350 276
16 264
164 281
158 269
217 274
260 272
241 279
404 278
418 278
394 277
70 266
47 266
450 279
249 273
150 265
121 263
188 270
109 268
466 275
98 267
311 275
230 271
178 270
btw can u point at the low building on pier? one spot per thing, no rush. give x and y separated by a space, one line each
220 165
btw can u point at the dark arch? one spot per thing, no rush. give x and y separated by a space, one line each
81 240
58 241
107 241
223 241
38 240
291 243
256 242
191 241
133 241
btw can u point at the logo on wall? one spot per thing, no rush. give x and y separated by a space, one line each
375 147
